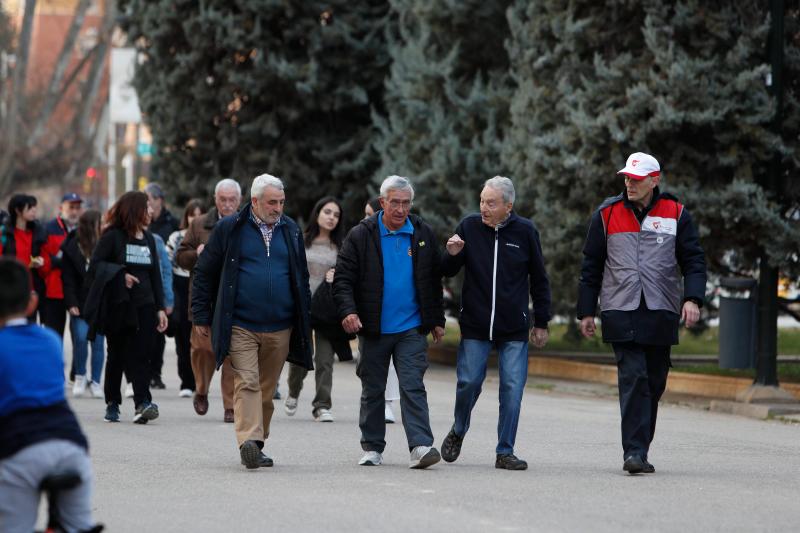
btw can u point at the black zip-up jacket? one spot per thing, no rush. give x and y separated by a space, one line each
74 273
503 266
358 283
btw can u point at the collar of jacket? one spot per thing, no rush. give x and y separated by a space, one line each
653 200
512 218
371 223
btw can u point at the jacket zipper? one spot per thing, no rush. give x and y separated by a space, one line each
494 284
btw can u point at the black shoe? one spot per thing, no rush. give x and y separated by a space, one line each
112 412
277 395
145 412
634 465
451 447
648 468
509 461
264 461
156 383
250 454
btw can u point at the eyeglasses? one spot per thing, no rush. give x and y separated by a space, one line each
405 205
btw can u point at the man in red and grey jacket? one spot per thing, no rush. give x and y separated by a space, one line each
53 310
643 259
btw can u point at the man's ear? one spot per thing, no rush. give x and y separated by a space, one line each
33 302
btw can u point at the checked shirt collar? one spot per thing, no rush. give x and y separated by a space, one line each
266 230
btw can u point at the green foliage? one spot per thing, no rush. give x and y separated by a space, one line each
681 80
446 103
236 89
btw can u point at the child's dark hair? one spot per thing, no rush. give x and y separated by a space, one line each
15 287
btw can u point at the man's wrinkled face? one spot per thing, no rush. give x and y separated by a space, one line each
71 212
227 200
493 209
638 190
269 206
396 207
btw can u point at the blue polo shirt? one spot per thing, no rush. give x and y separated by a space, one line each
399 308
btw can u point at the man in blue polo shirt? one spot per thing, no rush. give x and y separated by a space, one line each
389 290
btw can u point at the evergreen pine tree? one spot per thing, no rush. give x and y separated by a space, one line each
236 89
446 103
684 81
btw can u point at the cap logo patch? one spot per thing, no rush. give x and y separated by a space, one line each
634 162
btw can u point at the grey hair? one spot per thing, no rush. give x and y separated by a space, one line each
396 183
227 182
262 182
504 185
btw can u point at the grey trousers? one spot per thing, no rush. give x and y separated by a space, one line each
323 374
22 473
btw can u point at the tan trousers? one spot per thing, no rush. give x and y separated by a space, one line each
257 360
204 363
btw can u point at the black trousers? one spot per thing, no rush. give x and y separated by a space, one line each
183 331
129 352
53 314
642 377
157 356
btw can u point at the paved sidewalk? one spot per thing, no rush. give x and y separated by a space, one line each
182 472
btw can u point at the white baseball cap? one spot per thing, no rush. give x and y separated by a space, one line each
640 165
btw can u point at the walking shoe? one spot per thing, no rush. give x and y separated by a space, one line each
423 457
509 461
277 395
451 447
290 405
388 414
323 415
79 388
371 459
263 460
145 412
633 464
200 403
648 468
156 383
250 454
112 412
96 390
185 393
228 416
129 391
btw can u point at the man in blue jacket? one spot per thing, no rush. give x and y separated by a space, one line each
39 434
502 258
251 294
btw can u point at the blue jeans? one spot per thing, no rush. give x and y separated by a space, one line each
79 329
471 371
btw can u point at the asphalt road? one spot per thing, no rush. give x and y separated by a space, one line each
182 473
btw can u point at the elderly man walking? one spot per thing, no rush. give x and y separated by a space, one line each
388 289
227 197
251 294
640 243
502 259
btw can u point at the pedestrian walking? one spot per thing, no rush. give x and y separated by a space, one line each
180 324
388 288
77 252
126 302
643 259
502 259
24 238
392 393
251 295
323 238
227 197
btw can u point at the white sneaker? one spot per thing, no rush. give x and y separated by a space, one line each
186 393
371 459
96 390
79 388
129 390
388 414
290 405
423 457
323 415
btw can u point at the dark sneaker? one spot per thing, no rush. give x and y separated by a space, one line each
112 413
250 454
156 383
263 460
277 395
451 447
509 461
633 465
228 416
145 413
648 468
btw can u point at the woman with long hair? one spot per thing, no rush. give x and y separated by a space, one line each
125 261
181 325
323 237
23 238
77 251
